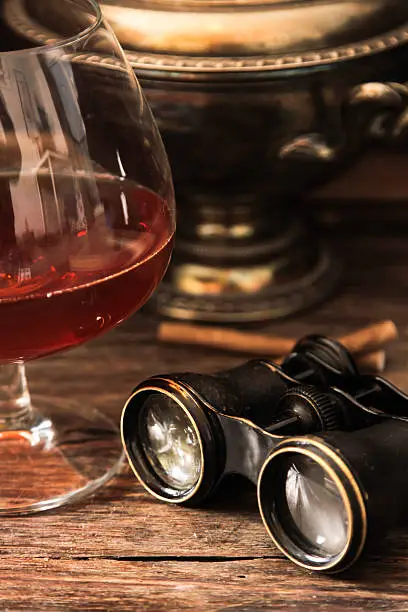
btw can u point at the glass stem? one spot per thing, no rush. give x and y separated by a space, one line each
15 403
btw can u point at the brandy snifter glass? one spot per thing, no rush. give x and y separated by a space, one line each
86 229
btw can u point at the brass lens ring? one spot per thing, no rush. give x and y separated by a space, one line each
204 429
336 468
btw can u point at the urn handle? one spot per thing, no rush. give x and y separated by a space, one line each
388 120
373 110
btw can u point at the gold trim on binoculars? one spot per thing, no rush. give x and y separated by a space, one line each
236 445
324 445
144 474
348 488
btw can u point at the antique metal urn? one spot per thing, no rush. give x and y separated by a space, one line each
259 103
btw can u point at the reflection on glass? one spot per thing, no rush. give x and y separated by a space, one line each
86 228
316 506
170 443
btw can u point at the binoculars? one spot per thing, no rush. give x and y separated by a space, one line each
324 444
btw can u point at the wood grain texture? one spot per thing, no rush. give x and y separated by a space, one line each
121 550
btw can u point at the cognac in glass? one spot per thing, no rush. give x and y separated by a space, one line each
86 229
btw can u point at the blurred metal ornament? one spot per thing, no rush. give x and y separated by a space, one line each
209 36
258 104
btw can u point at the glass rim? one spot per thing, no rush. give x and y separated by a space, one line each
64 42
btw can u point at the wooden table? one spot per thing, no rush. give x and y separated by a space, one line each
123 551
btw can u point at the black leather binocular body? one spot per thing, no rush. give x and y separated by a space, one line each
317 439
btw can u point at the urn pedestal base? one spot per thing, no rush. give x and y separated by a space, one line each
237 261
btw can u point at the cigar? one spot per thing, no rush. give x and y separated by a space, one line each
367 363
366 340
370 338
371 363
222 338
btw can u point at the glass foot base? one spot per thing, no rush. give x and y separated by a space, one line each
66 454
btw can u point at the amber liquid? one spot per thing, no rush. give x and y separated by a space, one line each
64 286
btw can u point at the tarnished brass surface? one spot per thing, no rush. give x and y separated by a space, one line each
247 27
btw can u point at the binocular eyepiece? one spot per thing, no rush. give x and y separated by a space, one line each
322 443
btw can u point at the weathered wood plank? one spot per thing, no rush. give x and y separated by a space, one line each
234 586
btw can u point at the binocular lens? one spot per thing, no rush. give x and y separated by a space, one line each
304 507
172 445
312 506
170 442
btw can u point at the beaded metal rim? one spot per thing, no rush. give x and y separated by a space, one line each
185 64
168 63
